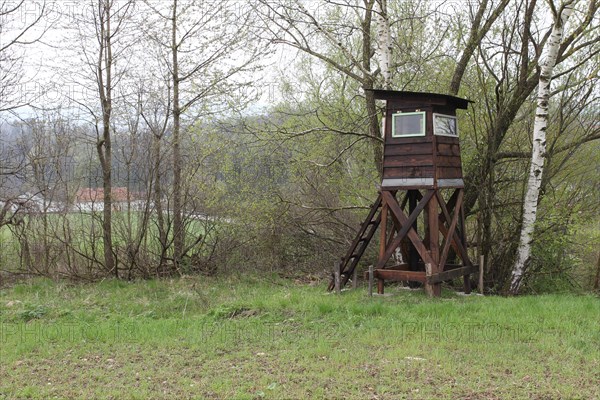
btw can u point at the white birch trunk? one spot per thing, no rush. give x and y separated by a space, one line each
384 41
538 154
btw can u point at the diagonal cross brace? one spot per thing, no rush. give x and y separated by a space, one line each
404 226
452 227
452 235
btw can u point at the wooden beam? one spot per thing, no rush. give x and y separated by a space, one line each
421 276
444 231
466 278
452 227
404 200
429 285
458 243
396 275
454 273
336 276
413 254
452 200
434 242
406 227
383 233
444 217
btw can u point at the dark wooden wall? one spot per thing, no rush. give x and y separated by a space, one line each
429 156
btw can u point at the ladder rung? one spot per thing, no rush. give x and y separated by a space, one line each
361 240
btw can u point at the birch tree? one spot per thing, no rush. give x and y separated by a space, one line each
538 154
501 78
384 41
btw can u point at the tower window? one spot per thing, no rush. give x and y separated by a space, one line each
444 125
408 124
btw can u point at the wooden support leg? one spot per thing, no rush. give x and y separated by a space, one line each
413 254
434 244
428 286
466 278
380 286
383 235
467 283
337 277
413 258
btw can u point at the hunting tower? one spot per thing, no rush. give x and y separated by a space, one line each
420 204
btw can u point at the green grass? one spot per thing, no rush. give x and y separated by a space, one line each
263 337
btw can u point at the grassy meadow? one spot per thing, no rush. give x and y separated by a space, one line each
265 337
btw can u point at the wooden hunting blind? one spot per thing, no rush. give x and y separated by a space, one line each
420 204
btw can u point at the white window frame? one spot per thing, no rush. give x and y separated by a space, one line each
435 115
423 123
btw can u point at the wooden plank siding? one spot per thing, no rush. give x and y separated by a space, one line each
430 156
417 162
409 160
448 149
401 148
408 172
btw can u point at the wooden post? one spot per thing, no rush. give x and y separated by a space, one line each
463 236
481 269
355 278
382 234
380 286
413 258
428 287
371 280
336 277
434 245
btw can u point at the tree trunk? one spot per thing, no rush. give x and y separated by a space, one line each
178 233
476 34
158 197
385 45
104 146
374 129
538 154
109 261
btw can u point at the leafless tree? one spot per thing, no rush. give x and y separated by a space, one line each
16 33
20 26
104 40
207 48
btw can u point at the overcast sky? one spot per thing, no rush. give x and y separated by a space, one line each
49 64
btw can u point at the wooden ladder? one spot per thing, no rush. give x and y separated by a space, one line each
359 244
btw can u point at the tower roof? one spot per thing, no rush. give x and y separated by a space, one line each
421 97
